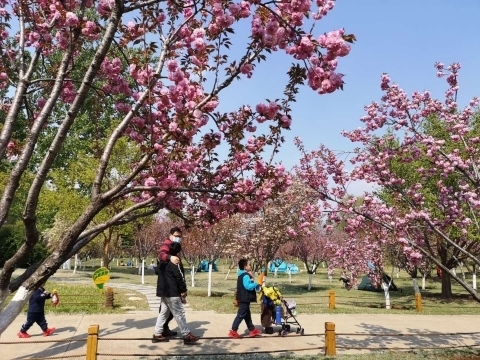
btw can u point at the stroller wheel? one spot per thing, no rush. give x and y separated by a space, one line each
284 333
298 331
302 332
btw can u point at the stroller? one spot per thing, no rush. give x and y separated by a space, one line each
270 298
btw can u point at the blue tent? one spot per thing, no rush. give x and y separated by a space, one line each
284 267
203 266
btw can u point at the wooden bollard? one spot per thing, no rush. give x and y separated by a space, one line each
418 302
330 346
109 298
331 299
92 342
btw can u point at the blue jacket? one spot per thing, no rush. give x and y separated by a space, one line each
246 287
37 301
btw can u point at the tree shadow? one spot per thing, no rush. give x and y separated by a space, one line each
299 289
57 348
141 347
390 338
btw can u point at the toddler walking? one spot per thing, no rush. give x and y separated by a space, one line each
36 313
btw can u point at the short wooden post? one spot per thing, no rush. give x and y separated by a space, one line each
109 298
418 302
331 299
330 346
92 342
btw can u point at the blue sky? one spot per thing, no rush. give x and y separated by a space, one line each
402 38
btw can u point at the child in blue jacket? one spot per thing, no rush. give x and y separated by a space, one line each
246 287
36 313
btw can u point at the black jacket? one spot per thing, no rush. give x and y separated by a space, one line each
244 295
170 282
37 301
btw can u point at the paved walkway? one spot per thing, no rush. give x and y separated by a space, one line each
147 290
127 336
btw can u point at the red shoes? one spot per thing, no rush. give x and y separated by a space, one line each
255 332
24 335
234 335
49 331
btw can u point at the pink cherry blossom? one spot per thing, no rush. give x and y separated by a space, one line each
434 204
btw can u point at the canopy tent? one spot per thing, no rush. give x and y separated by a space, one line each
284 268
366 284
203 266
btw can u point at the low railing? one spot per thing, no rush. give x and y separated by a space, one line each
106 299
417 302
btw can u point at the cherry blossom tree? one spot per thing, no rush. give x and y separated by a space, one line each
211 243
192 253
146 239
280 221
311 250
424 223
157 70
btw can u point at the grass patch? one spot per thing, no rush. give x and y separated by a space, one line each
87 299
77 298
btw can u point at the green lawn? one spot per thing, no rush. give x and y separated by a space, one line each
308 301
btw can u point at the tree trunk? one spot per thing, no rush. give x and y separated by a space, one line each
76 263
209 287
228 273
106 248
446 285
474 277
192 274
386 290
416 290
14 308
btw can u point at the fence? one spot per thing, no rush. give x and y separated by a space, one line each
327 347
417 302
331 336
332 300
107 299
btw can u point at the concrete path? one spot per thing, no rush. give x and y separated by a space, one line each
147 290
127 336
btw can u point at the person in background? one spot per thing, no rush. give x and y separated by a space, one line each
164 255
246 287
172 290
36 313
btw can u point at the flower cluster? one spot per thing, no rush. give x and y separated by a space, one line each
425 169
